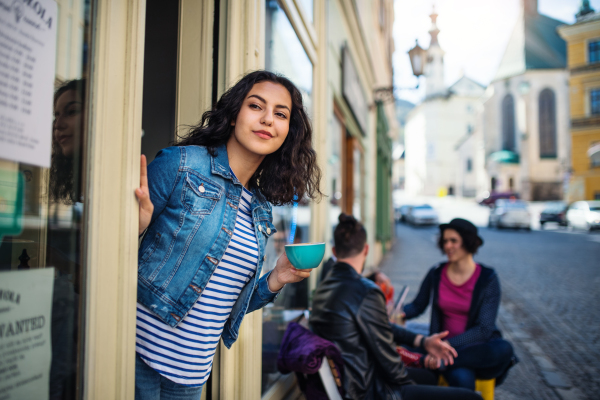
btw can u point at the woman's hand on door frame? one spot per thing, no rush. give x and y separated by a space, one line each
143 195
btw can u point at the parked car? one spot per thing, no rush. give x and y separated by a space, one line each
400 212
584 215
510 213
491 199
554 212
422 215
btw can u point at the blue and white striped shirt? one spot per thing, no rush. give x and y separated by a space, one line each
184 354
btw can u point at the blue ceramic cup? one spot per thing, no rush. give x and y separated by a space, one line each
305 255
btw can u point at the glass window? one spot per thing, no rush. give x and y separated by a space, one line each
285 55
547 122
469 165
508 123
357 182
595 101
594 154
308 7
336 196
594 52
43 247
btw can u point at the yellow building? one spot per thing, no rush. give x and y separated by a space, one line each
583 48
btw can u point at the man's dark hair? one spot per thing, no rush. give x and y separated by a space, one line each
349 237
470 241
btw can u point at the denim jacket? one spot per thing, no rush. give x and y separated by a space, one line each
195 201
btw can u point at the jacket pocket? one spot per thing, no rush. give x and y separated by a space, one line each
199 194
143 257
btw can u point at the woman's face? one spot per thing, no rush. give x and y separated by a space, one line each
453 246
67 122
264 119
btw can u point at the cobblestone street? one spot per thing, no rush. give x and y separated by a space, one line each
550 303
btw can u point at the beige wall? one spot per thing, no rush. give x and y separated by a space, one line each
525 90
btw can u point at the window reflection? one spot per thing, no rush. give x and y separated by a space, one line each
357 164
336 197
308 6
285 55
53 203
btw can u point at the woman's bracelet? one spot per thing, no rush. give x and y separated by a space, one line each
422 344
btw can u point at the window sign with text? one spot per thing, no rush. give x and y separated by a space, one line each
27 62
25 352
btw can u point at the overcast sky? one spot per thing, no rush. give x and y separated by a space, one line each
473 33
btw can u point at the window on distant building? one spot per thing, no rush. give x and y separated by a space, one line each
469 165
508 123
470 128
547 121
595 101
594 51
594 154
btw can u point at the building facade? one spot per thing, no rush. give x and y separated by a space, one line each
526 120
143 70
436 126
583 44
471 173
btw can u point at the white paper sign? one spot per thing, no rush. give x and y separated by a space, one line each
25 342
27 63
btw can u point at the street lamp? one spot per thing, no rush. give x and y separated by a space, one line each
418 57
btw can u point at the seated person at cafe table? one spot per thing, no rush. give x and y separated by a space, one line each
349 310
465 297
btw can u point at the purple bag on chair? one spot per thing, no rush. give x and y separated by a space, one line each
302 352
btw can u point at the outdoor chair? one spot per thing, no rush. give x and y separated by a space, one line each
484 386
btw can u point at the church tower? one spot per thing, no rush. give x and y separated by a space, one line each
434 68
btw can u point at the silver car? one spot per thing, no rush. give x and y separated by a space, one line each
584 215
510 213
422 215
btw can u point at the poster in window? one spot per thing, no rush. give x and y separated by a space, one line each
27 64
25 315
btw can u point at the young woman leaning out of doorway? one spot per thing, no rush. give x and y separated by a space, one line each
205 211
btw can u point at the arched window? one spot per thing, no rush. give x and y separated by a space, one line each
547 119
508 123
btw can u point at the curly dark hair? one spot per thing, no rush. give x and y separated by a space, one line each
470 241
290 171
63 187
349 236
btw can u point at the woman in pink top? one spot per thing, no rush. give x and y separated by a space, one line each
465 297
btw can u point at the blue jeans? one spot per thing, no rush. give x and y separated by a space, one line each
150 385
480 361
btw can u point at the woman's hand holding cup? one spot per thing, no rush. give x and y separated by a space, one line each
284 273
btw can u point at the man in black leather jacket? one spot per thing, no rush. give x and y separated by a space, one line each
349 310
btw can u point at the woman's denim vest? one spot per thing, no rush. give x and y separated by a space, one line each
196 200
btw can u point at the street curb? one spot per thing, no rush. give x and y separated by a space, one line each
546 368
